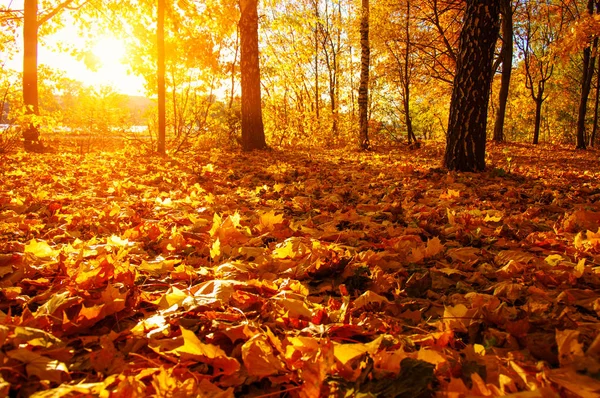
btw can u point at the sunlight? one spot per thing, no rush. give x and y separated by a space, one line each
110 52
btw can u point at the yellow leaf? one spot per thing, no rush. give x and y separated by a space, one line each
115 210
554 259
40 249
174 296
115 240
294 308
209 168
346 352
42 367
259 358
492 218
579 268
369 297
216 224
431 356
235 219
215 250
268 221
457 318
211 354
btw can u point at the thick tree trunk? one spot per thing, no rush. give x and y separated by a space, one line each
30 49
465 140
507 56
363 89
538 117
253 133
586 84
160 45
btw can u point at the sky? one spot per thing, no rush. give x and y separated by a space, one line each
109 51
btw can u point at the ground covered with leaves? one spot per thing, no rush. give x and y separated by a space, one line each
299 274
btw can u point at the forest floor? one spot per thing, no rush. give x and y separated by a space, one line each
300 274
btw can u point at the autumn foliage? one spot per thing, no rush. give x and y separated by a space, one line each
300 274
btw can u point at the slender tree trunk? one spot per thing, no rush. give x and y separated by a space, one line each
317 93
507 56
363 89
586 83
160 45
465 140
539 101
596 100
336 114
409 127
30 51
235 56
253 133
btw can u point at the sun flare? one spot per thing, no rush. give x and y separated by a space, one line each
110 52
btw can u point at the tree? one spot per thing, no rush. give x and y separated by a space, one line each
253 133
160 45
363 89
465 140
506 57
589 60
594 133
398 33
540 28
31 24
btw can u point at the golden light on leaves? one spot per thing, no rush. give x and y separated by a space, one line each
40 249
205 283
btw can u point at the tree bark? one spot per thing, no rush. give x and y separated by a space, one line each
160 44
363 89
465 140
317 94
589 61
253 133
407 75
596 104
30 49
507 56
538 116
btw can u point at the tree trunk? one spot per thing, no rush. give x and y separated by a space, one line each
253 133
507 56
596 100
586 84
317 106
409 127
465 140
160 66
30 51
539 100
363 89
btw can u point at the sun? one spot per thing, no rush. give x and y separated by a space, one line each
110 51
110 55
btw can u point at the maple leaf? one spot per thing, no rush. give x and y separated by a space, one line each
40 249
40 366
259 357
215 249
268 221
194 349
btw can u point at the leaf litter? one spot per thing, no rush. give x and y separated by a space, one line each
300 274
